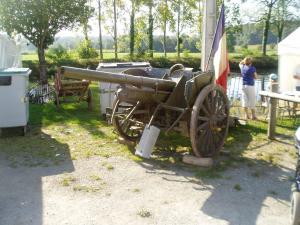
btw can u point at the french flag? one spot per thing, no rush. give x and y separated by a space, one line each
219 52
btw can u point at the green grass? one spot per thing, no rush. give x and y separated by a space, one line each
84 188
58 135
123 56
109 54
144 213
237 187
67 180
95 177
30 56
72 132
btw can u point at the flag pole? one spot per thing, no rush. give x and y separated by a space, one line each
208 29
211 49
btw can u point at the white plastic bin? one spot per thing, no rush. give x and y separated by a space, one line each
14 106
107 90
147 142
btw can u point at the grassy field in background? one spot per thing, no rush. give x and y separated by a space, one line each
253 50
111 55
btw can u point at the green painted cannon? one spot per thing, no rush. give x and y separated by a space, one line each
180 100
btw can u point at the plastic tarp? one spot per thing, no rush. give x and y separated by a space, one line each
289 62
291 44
10 53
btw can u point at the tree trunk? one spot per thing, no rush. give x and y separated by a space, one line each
165 30
115 30
200 19
282 12
178 31
280 28
42 66
85 31
132 32
100 31
266 30
150 37
165 39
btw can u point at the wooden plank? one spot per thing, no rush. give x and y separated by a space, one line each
280 96
197 161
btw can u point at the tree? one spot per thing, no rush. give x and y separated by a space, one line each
113 12
150 28
115 29
85 15
141 35
40 21
185 18
100 29
164 17
283 13
268 6
134 6
233 23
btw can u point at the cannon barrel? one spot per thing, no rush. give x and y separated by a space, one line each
118 78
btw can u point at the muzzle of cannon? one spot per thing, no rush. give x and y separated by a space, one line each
119 78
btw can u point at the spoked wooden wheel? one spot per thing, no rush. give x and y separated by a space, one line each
90 100
127 119
209 121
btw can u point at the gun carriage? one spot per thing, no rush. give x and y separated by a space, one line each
179 100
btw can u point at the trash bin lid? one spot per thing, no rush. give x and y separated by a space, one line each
15 71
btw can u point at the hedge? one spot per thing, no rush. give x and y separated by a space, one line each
262 63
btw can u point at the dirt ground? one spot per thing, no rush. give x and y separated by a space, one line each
117 190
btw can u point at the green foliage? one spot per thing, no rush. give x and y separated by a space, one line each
58 53
186 53
40 21
164 16
237 187
32 18
140 35
193 61
123 42
86 51
250 52
85 15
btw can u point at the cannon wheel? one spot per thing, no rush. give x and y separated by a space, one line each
209 121
128 130
89 99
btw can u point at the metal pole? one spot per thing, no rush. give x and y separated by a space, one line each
208 31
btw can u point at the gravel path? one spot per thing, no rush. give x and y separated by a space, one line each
120 191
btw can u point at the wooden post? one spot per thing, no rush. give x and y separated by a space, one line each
272 112
262 88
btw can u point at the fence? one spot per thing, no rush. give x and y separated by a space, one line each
234 93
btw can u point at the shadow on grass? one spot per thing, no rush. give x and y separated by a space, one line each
24 162
71 113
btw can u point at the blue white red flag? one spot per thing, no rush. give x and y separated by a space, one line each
219 52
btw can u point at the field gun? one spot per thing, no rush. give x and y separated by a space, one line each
180 100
